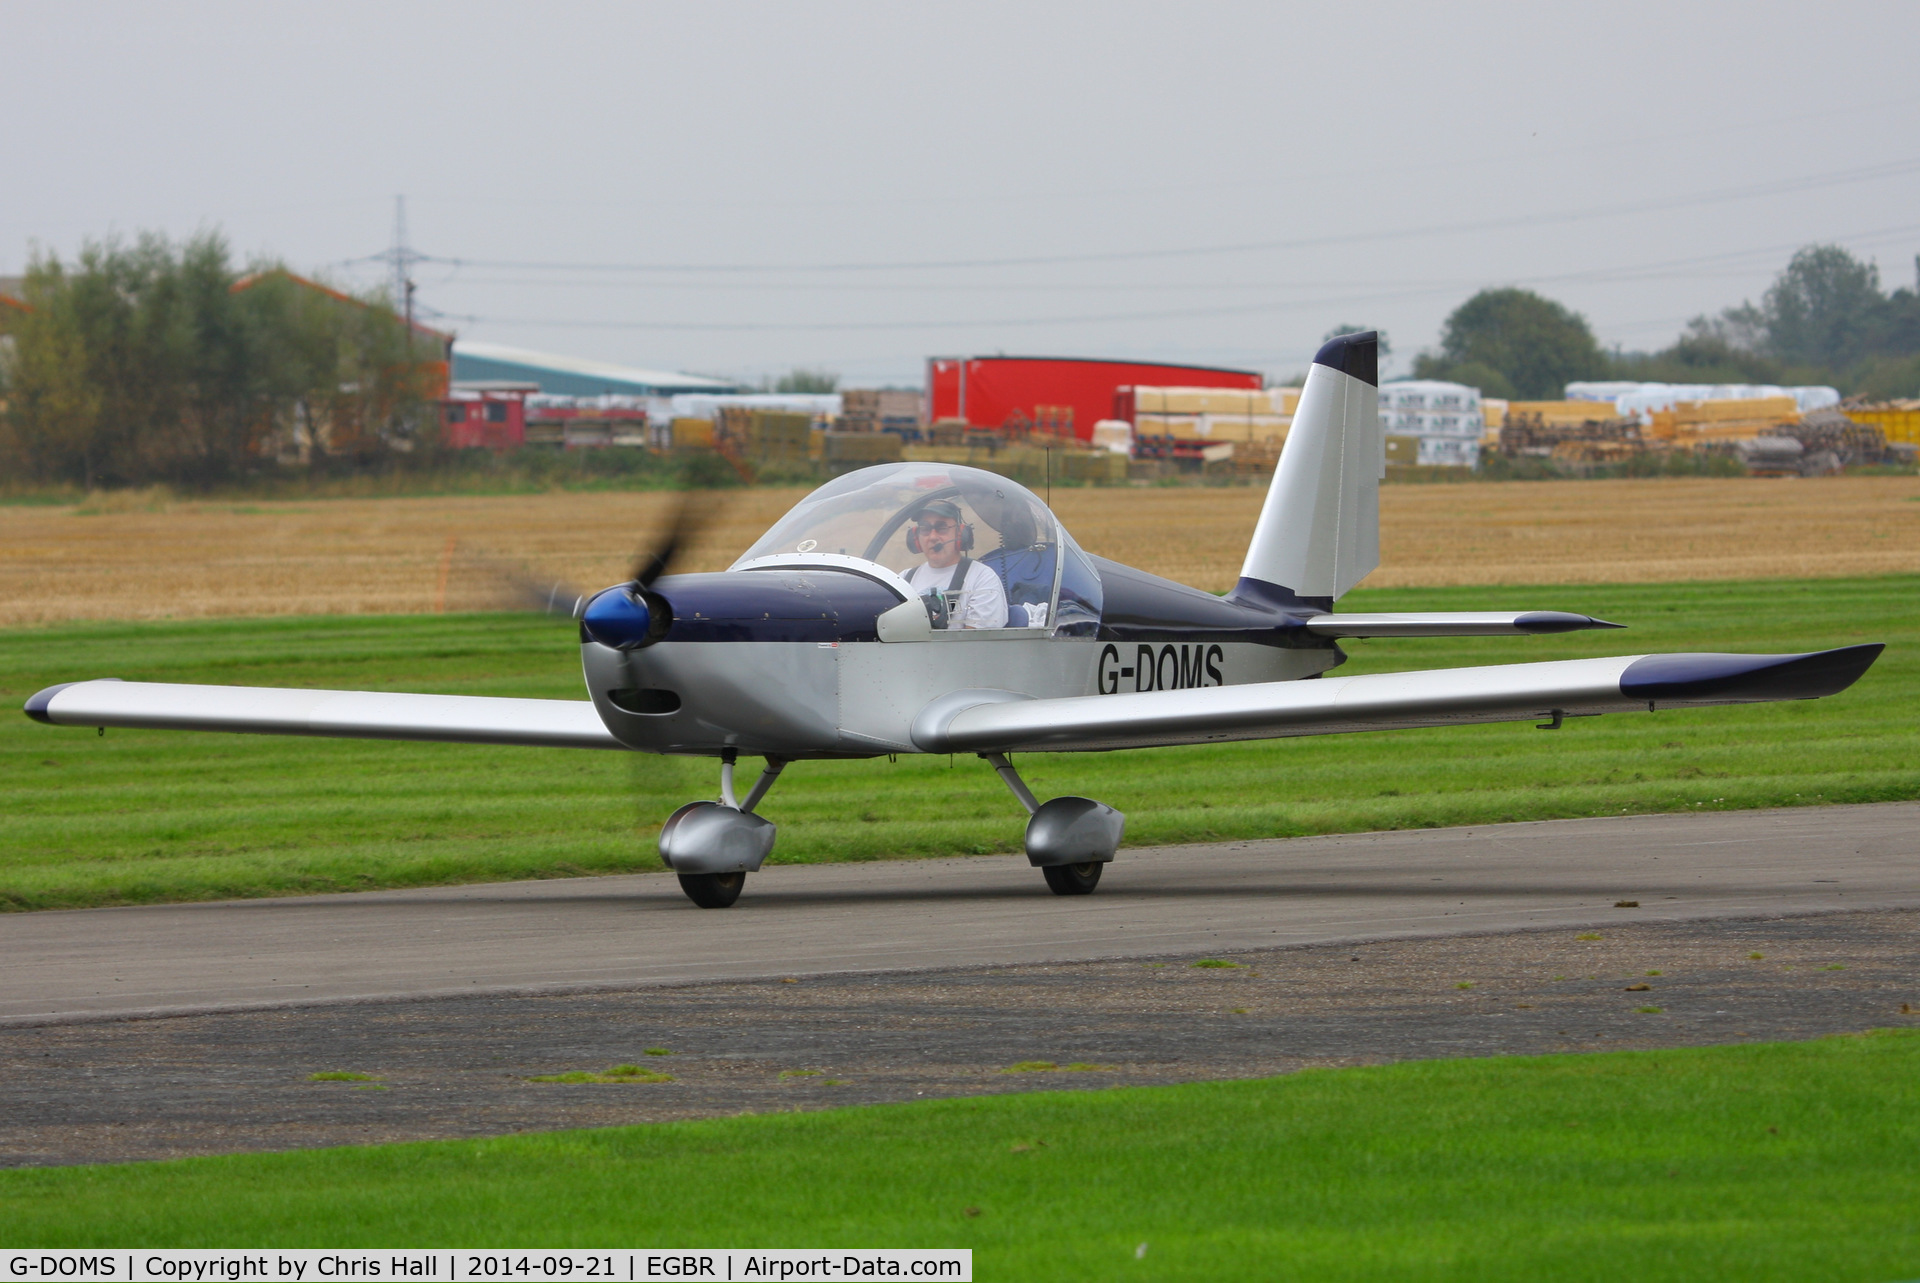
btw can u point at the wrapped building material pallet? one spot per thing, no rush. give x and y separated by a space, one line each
1421 395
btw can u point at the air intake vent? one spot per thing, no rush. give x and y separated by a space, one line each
648 701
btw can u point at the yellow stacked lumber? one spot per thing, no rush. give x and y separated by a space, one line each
693 434
1235 401
1214 414
1213 427
1723 420
1771 409
1559 414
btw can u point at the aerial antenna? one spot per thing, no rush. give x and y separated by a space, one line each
400 260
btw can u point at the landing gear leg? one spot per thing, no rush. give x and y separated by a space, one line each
1068 839
712 846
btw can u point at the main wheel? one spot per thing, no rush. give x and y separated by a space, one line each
1074 879
716 890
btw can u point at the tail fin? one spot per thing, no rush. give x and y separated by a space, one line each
1319 531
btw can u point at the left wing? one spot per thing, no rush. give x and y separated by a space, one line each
1000 721
268 710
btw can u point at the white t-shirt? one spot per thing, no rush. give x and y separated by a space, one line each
983 603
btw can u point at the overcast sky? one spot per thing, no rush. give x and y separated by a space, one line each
741 188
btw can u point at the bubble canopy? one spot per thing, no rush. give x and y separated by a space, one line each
870 516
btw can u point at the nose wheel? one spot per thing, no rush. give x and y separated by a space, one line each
1069 839
720 890
1073 879
712 846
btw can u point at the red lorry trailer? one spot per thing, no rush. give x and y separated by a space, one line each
990 391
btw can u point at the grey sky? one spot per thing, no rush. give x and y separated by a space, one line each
1359 163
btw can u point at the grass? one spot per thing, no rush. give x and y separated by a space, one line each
139 816
1772 1161
614 1074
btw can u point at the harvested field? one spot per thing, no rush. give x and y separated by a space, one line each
127 559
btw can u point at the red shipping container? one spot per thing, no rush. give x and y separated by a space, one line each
490 420
987 391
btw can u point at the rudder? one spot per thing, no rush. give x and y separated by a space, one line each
1319 530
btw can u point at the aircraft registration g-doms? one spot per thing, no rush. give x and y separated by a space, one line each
931 608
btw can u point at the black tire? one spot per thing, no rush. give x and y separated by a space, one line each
713 890
1074 879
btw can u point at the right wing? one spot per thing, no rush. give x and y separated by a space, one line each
1000 721
268 710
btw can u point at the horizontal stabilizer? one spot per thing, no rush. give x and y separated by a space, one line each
1464 623
998 722
265 710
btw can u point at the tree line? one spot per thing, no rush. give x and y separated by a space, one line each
1824 320
153 361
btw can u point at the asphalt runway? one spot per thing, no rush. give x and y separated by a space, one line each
626 933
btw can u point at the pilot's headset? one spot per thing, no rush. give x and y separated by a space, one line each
939 508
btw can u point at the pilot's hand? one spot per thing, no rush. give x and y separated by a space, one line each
936 603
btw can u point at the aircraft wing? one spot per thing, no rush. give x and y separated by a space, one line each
266 710
999 721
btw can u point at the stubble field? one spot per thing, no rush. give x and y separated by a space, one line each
129 558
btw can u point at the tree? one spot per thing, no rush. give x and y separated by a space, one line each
804 380
1536 344
146 362
1489 380
1823 308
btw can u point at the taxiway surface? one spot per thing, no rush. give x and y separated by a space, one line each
629 932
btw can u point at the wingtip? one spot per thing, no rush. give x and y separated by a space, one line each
36 705
1711 678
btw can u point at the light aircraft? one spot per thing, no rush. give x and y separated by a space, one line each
931 608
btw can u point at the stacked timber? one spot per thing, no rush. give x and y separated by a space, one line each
879 410
1691 423
1214 414
1596 438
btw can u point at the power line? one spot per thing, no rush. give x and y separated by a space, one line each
1777 187
1626 273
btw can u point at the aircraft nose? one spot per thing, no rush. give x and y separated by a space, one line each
618 618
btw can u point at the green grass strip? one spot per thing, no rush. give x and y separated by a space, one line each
140 816
1780 1161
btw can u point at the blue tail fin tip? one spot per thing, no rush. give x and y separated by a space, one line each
1357 355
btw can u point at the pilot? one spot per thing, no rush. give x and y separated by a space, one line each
959 591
